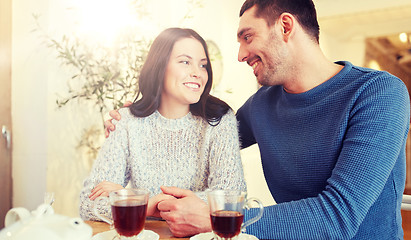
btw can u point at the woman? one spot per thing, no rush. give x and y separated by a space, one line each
174 134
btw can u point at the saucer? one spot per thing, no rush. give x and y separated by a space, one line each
210 235
109 235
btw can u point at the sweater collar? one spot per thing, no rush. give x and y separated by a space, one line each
322 90
173 124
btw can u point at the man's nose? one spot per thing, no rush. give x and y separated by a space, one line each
242 54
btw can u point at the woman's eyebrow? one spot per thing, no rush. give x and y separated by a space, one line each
188 56
184 55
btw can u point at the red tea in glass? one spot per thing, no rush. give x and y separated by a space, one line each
128 209
129 217
227 212
226 224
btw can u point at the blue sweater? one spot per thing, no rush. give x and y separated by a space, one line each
333 157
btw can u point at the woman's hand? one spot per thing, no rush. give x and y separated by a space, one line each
103 189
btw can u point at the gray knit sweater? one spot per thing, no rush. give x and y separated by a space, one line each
154 151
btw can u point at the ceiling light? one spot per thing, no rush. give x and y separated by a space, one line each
403 37
374 65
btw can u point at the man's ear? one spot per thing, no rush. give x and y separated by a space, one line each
287 23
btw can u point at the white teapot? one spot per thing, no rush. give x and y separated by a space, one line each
43 224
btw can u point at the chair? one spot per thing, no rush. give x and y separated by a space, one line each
406 199
406 202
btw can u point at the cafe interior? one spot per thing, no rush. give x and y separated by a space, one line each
49 137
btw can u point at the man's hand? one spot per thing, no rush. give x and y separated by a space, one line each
103 189
154 201
108 125
186 215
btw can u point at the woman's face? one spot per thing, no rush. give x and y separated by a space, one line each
186 75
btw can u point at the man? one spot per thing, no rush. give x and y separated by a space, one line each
331 135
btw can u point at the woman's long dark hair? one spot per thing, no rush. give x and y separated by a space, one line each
152 77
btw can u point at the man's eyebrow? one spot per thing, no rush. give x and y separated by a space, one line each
240 33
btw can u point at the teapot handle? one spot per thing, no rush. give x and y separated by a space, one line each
15 215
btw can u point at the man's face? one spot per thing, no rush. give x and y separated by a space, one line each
262 48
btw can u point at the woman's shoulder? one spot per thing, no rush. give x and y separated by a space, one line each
134 124
127 117
230 114
125 113
226 129
228 118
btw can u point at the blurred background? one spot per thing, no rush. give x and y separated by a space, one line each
65 63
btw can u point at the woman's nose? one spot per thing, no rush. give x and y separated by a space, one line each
195 72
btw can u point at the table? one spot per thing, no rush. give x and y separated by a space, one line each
160 227
406 224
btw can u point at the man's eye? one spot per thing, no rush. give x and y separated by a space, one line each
246 37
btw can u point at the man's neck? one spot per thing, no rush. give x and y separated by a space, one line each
312 69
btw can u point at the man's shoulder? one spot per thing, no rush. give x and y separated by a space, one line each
358 77
380 79
370 74
265 91
264 98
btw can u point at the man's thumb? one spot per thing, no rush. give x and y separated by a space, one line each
175 191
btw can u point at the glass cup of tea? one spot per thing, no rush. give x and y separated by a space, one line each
227 212
128 209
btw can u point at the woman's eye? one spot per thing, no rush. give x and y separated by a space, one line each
185 62
203 65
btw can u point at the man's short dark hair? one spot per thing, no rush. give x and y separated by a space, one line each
303 10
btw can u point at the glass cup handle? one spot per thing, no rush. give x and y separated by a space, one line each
256 218
95 209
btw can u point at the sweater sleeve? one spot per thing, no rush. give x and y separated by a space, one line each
245 129
374 139
110 165
226 169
